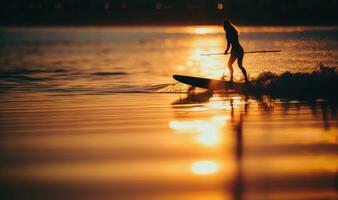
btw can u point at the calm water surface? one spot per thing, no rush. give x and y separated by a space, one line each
88 113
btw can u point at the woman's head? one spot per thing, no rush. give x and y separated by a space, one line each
226 24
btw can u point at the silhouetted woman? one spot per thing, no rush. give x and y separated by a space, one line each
237 51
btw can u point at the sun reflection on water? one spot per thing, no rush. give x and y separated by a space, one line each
216 103
208 66
204 30
208 131
205 167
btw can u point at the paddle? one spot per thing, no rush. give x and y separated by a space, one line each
215 54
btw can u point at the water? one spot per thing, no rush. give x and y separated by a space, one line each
90 113
106 60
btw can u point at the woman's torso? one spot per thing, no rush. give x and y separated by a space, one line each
234 41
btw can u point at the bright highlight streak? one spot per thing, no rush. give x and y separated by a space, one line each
205 167
205 30
208 131
208 138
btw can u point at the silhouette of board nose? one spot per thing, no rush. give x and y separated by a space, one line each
206 83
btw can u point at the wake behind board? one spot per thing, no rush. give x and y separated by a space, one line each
211 84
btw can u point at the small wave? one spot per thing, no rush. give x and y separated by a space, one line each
31 71
134 89
21 78
29 75
173 88
322 82
109 73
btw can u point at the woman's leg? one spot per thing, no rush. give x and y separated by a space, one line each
231 61
240 65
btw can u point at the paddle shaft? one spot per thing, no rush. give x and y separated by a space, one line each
215 54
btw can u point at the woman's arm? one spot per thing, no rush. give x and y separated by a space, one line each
228 44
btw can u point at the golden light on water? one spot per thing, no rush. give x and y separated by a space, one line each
206 40
207 66
85 125
208 131
205 167
216 103
204 30
199 109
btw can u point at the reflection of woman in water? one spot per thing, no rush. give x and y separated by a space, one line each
237 51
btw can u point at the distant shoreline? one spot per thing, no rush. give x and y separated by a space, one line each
167 24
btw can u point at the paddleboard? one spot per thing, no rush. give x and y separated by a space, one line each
206 83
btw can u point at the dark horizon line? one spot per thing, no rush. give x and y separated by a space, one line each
163 24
